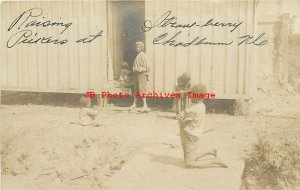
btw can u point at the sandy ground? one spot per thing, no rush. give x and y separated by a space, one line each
43 150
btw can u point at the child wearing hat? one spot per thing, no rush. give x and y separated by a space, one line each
140 74
191 129
184 85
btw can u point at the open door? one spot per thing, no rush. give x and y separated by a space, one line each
125 20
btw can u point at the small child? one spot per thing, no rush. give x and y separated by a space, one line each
184 85
125 75
87 115
191 129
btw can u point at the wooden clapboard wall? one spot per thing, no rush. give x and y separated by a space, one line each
226 71
70 67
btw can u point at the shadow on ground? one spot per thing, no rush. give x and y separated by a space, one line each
167 160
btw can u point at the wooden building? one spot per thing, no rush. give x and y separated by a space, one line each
74 67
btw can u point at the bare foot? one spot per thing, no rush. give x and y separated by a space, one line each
146 109
222 164
132 107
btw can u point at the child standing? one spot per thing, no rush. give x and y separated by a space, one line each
191 129
141 73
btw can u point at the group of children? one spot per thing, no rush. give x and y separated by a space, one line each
190 113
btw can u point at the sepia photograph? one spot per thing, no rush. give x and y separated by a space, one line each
150 95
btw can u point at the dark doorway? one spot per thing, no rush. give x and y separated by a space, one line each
133 17
130 17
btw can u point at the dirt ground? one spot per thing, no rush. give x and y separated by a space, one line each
42 149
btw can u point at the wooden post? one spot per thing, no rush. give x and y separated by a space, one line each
283 49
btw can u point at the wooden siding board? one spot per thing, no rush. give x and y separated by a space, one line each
202 18
101 57
159 50
4 50
233 50
209 33
32 62
182 55
150 50
98 48
229 50
92 48
227 39
84 63
205 53
249 55
23 71
178 66
170 61
12 53
195 51
73 51
63 67
53 53
42 56
242 50
219 52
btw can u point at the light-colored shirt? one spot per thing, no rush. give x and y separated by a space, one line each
140 63
193 122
